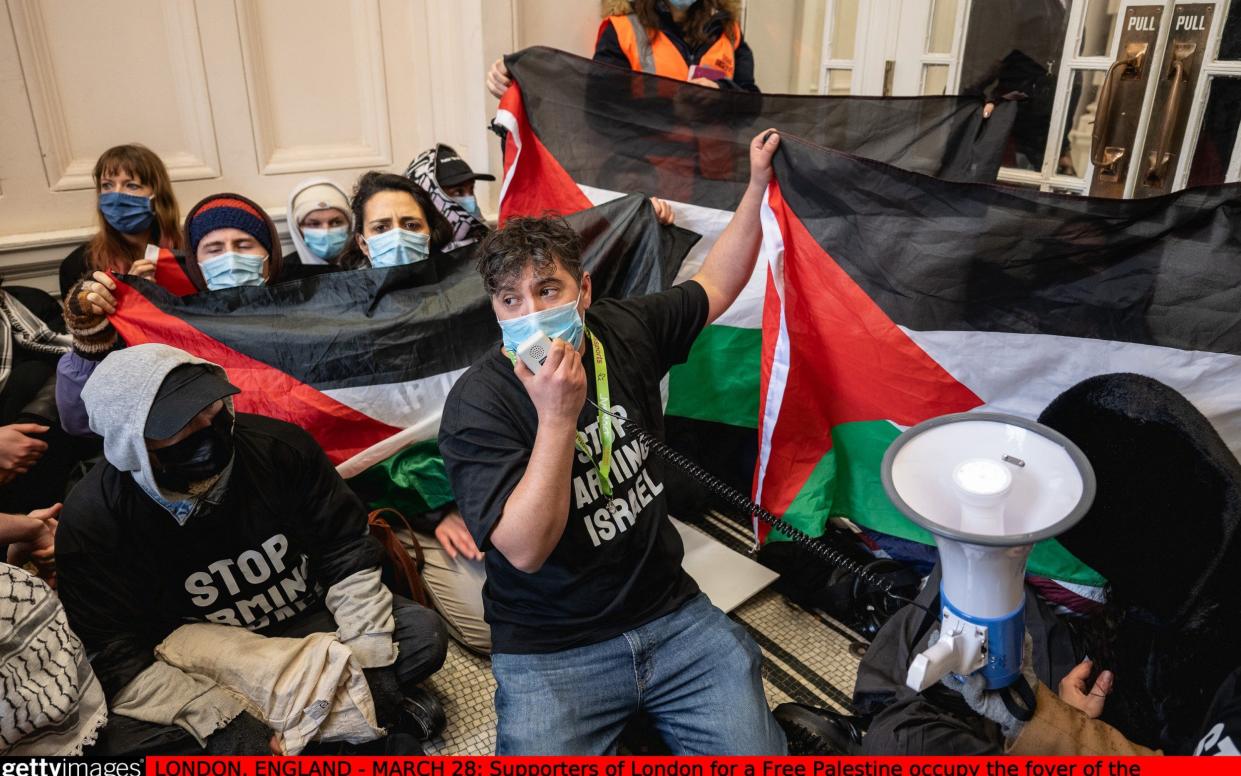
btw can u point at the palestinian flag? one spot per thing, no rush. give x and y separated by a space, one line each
899 297
364 359
580 132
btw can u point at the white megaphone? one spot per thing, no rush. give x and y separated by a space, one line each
988 486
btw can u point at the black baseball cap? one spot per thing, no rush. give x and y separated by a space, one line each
451 170
186 391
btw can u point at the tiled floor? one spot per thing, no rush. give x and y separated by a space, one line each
466 688
808 659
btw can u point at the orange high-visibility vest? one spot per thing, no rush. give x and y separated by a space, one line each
660 56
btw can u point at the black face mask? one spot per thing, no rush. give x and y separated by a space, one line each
200 456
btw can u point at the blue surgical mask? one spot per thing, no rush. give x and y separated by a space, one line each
326 243
562 322
127 213
398 246
471 205
229 270
680 5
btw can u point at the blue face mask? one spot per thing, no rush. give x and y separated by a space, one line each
126 213
680 5
230 270
398 246
562 322
471 205
326 243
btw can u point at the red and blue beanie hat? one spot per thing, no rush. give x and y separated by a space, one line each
225 211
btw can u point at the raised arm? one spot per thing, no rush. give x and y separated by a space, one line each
730 262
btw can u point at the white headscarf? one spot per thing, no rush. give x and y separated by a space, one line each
310 195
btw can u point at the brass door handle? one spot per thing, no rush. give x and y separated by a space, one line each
1101 154
1158 159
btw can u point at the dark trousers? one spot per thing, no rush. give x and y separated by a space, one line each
422 642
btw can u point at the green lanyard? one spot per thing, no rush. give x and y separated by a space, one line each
607 433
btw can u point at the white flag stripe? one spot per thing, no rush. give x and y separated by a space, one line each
1023 373
415 407
771 255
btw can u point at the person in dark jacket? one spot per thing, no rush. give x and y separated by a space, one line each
203 515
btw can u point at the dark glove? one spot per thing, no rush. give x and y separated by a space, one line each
386 693
244 735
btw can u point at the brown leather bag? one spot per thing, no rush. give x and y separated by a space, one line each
401 573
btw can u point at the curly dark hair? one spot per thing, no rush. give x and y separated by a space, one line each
521 242
374 182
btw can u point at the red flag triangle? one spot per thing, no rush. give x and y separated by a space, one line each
340 430
843 360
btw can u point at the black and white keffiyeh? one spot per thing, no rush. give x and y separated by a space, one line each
466 227
50 701
20 327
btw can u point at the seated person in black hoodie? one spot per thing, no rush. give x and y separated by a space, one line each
200 514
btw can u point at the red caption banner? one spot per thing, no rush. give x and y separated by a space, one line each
690 766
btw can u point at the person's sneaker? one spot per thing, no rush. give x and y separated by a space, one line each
814 730
422 716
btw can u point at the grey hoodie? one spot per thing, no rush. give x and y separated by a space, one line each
118 397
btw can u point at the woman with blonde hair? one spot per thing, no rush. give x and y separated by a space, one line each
698 41
137 215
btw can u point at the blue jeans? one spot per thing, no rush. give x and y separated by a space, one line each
694 671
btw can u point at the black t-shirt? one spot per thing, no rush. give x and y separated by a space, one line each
612 570
1221 734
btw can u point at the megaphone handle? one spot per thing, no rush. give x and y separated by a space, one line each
1025 692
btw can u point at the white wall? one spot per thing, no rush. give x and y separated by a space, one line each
254 95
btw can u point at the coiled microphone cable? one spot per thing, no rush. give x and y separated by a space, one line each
743 505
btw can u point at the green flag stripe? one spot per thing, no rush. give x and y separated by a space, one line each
720 380
412 481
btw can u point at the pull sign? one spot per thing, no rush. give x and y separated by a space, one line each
1190 23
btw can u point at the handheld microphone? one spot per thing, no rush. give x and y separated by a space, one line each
534 351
